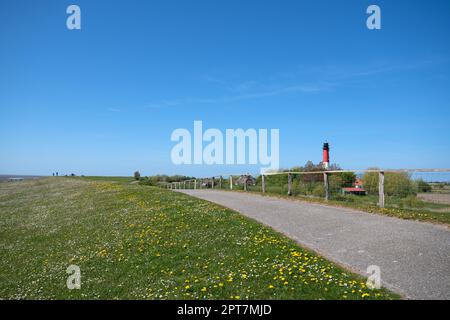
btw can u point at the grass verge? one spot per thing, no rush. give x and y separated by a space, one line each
402 213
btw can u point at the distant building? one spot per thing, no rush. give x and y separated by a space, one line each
245 179
358 189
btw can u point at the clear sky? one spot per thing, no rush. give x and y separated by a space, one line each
105 99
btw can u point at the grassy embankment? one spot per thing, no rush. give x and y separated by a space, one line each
134 242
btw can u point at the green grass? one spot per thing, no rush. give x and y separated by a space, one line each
105 178
135 242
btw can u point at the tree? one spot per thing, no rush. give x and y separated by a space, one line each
342 180
137 175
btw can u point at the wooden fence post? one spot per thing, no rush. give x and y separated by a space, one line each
245 184
231 182
326 186
212 183
195 184
220 182
381 189
289 184
263 183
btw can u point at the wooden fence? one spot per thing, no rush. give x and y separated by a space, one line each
217 182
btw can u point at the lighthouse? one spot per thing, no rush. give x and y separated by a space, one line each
326 155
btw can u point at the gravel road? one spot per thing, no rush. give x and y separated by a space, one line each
414 257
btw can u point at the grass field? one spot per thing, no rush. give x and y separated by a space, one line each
135 242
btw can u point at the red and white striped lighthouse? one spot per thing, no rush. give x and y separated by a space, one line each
326 155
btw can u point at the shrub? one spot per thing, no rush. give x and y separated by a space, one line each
370 181
146 182
318 191
395 184
411 201
422 186
398 184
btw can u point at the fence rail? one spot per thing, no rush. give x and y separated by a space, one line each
229 181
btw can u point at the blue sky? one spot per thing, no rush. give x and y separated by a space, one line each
105 99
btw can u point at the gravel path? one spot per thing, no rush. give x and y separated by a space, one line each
414 257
